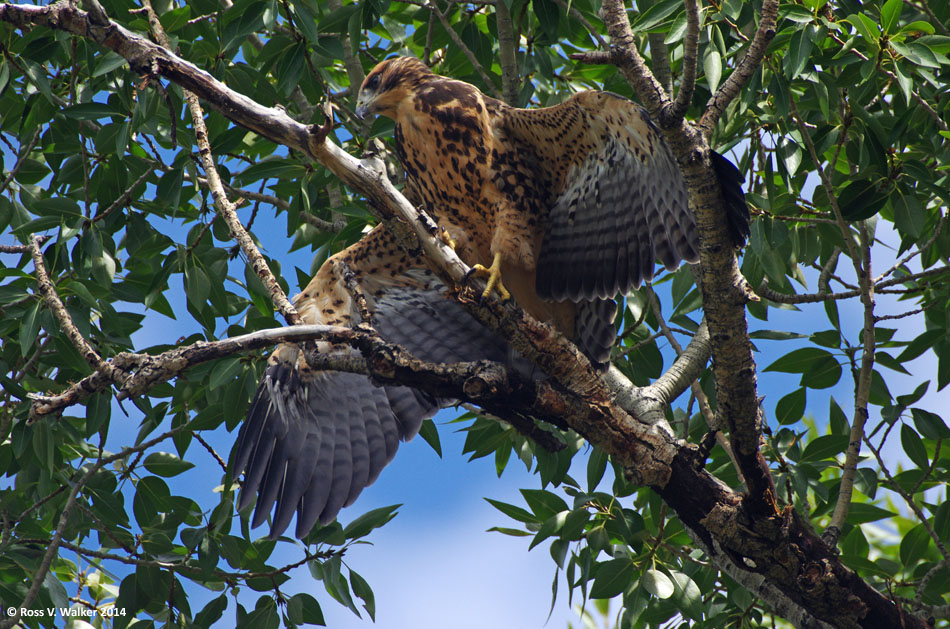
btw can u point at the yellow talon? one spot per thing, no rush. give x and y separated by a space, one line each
493 276
445 238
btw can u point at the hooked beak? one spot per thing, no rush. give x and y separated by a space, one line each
362 107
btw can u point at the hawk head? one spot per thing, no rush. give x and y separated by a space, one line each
390 83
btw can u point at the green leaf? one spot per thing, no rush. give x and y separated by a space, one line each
860 200
917 54
612 577
917 27
337 20
790 154
791 407
712 66
688 596
914 447
941 520
596 466
657 584
166 464
799 51
655 15
551 526
890 13
306 22
905 83
776 335
795 13
800 360
825 447
362 589
914 546
548 15
868 29
513 512
543 503
930 425
430 434
108 62
225 371
910 216
862 512
303 609
361 526
511 532
169 188
30 327
825 372
91 111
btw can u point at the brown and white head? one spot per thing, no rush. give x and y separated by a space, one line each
391 83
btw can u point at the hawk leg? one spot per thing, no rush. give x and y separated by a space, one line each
493 277
446 238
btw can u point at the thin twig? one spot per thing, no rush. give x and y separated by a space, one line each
739 77
489 83
56 541
941 224
54 303
21 158
583 21
934 20
183 567
224 207
122 198
896 487
690 60
211 451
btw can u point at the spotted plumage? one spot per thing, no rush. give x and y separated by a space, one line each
570 205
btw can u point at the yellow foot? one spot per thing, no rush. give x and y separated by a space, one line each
493 276
445 238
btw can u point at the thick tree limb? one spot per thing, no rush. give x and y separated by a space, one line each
725 291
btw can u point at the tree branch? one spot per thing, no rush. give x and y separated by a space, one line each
690 60
489 83
507 55
54 303
750 63
225 208
861 260
52 549
24 154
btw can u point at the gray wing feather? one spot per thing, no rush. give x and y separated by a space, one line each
595 331
312 443
618 212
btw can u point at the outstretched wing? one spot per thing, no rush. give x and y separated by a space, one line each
313 439
620 199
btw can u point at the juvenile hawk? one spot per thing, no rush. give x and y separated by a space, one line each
569 205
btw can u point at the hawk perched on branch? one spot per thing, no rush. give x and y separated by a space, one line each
562 208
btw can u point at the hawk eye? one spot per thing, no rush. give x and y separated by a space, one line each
373 82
